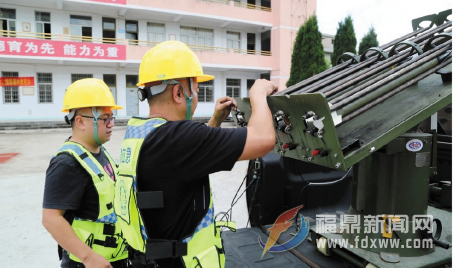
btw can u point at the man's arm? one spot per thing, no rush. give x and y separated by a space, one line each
62 232
222 109
260 131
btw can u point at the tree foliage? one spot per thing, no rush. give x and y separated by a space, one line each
308 57
344 40
369 40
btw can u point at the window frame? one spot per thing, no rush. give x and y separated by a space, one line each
198 36
231 40
11 89
126 80
233 87
109 30
155 33
43 23
130 41
83 38
46 84
85 76
208 85
8 22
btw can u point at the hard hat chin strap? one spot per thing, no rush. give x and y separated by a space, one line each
188 99
96 114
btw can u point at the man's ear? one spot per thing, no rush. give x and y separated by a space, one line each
177 94
79 122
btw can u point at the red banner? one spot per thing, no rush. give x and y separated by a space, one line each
61 49
119 2
16 81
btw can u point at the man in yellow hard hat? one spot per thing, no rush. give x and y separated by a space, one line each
80 183
163 195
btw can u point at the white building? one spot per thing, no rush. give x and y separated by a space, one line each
55 42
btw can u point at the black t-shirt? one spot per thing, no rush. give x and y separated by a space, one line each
177 158
70 187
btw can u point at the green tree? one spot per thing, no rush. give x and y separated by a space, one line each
344 40
308 57
369 40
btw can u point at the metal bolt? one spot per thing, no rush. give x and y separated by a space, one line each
338 165
335 155
303 157
307 149
277 151
281 152
310 159
372 150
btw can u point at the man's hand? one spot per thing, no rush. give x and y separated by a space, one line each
269 87
95 260
221 110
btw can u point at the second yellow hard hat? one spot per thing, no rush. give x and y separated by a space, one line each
170 60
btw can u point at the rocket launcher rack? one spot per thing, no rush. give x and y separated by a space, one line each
340 116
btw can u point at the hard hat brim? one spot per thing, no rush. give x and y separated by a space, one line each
114 107
200 79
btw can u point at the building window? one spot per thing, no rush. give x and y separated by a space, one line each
110 80
206 90
43 24
132 32
131 80
108 30
7 21
81 26
75 77
233 87
196 36
156 32
44 88
233 40
10 94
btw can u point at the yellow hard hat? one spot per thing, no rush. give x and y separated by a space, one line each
170 60
88 92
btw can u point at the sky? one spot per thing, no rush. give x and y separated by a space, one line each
390 18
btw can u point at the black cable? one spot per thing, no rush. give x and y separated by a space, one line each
321 183
253 198
233 200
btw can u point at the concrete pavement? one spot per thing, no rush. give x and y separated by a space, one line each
25 242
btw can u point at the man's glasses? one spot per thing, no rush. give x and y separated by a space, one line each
106 120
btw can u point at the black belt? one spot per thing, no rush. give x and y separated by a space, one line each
115 264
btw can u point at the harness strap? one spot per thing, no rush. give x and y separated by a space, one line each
151 199
160 249
110 242
109 229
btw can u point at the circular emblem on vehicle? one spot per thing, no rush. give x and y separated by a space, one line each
414 145
123 201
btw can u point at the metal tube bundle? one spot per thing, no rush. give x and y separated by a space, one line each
355 86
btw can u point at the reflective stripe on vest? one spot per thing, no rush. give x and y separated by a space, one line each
104 234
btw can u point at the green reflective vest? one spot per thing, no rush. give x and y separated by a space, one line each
103 235
203 248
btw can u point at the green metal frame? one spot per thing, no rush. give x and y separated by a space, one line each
354 140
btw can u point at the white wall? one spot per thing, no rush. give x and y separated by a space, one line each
29 106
